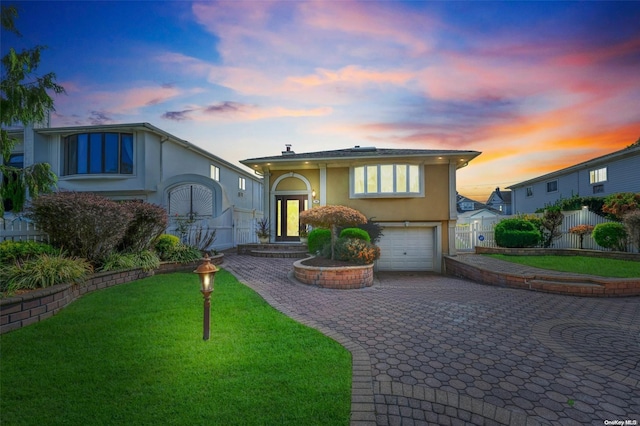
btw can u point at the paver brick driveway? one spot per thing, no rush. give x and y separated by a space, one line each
449 351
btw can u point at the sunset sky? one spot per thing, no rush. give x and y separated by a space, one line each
535 86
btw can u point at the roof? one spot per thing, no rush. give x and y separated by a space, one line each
146 127
358 153
629 151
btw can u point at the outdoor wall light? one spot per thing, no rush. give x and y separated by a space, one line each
206 272
313 194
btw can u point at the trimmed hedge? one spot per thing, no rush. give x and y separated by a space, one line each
517 233
318 238
611 235
357 233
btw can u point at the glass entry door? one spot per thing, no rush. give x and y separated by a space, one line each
288 209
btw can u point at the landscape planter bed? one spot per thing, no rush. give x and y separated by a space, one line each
28 308
336 277
576 285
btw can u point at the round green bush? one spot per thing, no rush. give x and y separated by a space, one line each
517 233
318 238
357 233
165 244
611 235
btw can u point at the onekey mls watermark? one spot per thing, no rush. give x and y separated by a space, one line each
617 422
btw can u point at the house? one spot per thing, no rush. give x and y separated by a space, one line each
599 177
410 192
500 200
470 210
140 161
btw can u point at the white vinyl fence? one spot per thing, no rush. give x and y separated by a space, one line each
481 232
20 229
234 226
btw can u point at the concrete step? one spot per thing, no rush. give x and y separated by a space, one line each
294 254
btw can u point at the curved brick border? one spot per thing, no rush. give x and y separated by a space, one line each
542 332
475 268
437 406
341 277
19 311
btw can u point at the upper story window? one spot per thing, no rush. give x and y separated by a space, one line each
242 183
552 186
382 180
98 153
215 173
529 191
598 175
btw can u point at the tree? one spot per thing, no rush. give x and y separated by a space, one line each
332 217
551 221
620 203
24 98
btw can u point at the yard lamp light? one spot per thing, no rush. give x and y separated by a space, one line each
206 272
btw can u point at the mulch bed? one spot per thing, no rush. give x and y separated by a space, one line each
324 262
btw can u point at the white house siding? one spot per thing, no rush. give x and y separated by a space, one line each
162 163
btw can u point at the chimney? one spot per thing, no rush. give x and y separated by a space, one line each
288 150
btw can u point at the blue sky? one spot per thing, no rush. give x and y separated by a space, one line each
535 86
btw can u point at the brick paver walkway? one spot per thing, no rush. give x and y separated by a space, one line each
430 349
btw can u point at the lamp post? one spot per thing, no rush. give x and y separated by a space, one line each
206 272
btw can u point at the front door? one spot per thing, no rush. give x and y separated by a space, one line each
288 209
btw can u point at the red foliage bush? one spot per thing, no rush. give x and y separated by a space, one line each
82 223
148 223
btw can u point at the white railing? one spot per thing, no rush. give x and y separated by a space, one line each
20 229
481 232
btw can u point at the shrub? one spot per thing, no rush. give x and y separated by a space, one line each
581 231
611 235
517 233
164 244
43 271
318 238
551 221
373 229
620 203
12 251
356 250
358 233
631 221
149 221
183 253
85 224
145 259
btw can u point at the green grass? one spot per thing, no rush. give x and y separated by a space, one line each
579 264
134 354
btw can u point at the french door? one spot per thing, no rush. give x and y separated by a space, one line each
288 209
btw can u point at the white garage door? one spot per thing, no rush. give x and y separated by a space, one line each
406 249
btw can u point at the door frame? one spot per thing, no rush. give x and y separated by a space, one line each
284 213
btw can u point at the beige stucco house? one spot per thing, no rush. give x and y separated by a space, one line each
410 192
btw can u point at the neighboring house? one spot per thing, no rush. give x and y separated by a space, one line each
410 192
142 162
500 200
470 210
599 177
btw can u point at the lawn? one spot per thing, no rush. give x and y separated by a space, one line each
580 264
134 354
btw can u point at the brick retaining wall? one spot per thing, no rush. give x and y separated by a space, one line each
342 277
571 285
20 311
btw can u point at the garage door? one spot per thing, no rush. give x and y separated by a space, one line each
406 249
